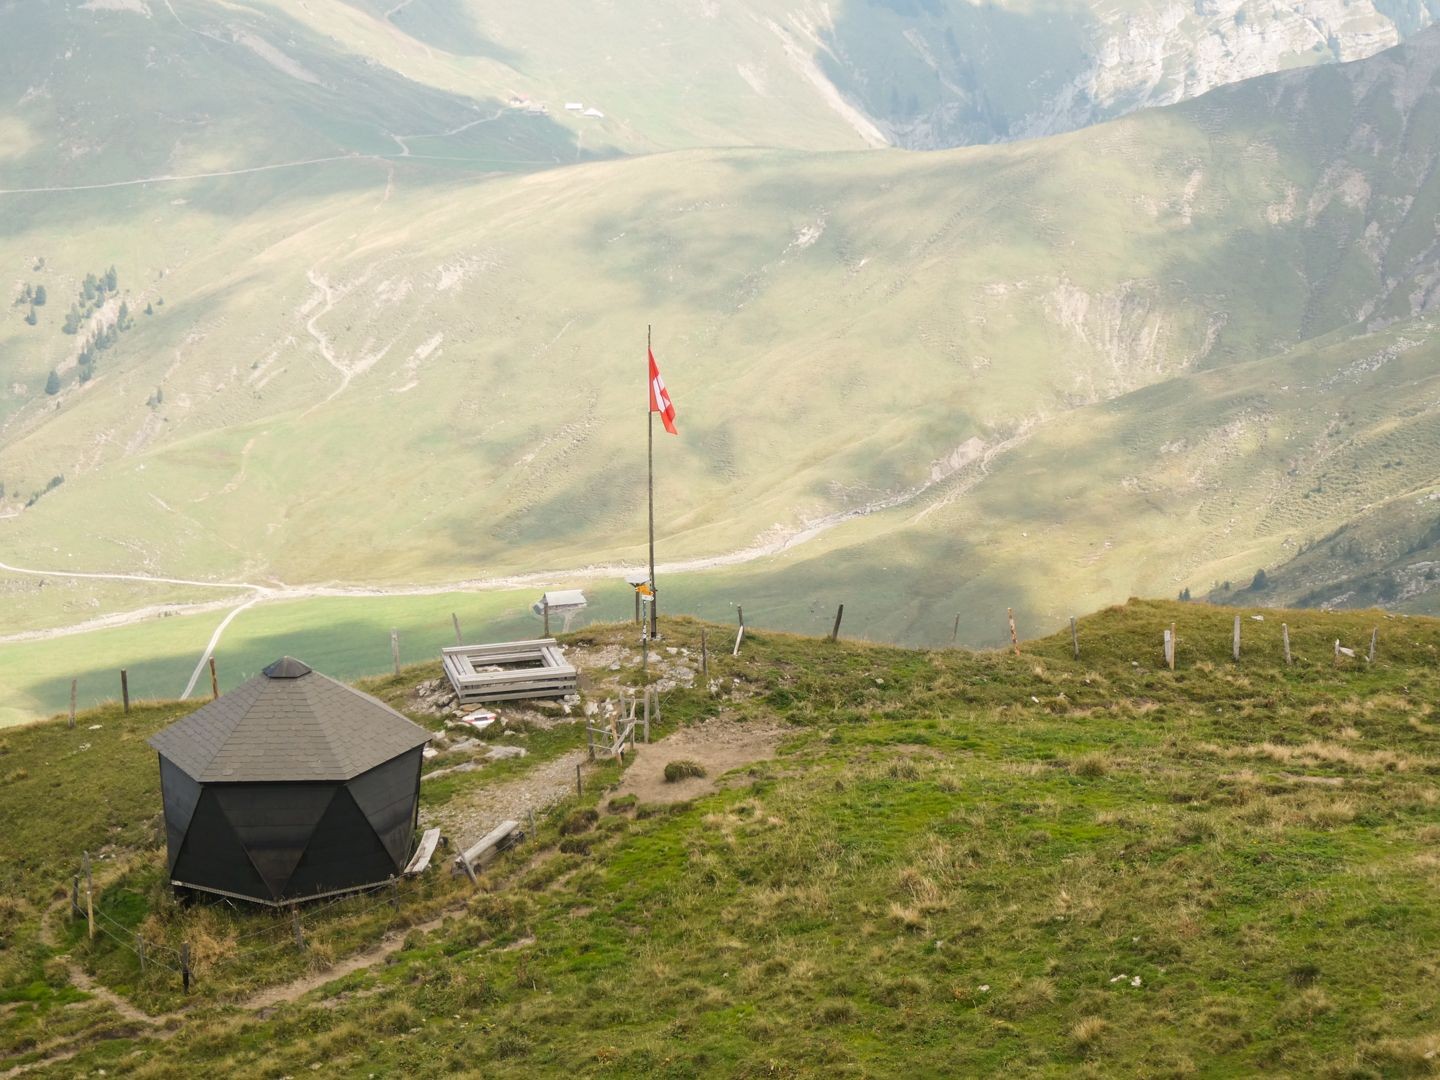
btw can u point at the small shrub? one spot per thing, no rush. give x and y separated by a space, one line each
682 770
580 821
836 1013
577 845
510 1044
1086 1033
1093 764
904 769
621 803
394 1019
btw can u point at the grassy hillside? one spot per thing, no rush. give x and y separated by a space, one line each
955 864
347 637
365 371
922 74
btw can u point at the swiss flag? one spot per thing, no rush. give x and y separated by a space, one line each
660 399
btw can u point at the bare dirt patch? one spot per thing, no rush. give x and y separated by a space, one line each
467 818
718 746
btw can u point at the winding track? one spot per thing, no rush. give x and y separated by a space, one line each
776 544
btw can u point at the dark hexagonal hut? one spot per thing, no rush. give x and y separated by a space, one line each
289 787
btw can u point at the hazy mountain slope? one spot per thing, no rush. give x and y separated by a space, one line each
123 89
439 381
922 74
946 72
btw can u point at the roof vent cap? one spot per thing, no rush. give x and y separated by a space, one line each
287 667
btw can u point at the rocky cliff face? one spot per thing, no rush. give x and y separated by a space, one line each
941 73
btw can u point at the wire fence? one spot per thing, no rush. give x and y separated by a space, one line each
178 961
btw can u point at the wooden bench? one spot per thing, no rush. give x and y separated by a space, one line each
480 855
516 669
421 859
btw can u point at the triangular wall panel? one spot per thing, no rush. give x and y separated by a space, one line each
388 795
180 793
343 852
275 823
212 855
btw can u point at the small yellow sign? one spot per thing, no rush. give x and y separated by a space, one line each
644 589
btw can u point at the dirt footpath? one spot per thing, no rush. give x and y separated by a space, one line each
718 745
469 816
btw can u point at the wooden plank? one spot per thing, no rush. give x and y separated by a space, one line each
520 694
524 675
515 693
483 678
498 678
421 859
531 643
482 853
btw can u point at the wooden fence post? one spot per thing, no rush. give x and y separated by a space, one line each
1285 641
545 611
89 896
296 927
579 786
1337 650
835 630
185 965
1235 643
955 633
125 689
214 681
75 897
1373 635
704 657
140 951
648 693
1074 638
1167 647
1014 638
74 684
590 741
456 620
739 637
395 649
637 607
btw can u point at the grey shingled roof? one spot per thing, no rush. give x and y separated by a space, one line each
289 724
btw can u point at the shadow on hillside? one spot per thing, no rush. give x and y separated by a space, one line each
346 649
442 24
238 91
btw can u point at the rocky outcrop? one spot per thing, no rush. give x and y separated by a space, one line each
1157 54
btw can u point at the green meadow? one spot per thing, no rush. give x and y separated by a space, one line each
343 636
954 864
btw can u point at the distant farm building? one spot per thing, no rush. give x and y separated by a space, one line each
595 114
560 602
574 106
291 786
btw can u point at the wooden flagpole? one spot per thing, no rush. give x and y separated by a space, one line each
650 455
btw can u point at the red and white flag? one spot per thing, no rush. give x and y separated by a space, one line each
660 399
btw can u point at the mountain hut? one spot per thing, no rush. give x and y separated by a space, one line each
291 786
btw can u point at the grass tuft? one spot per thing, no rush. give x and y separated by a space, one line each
683 769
